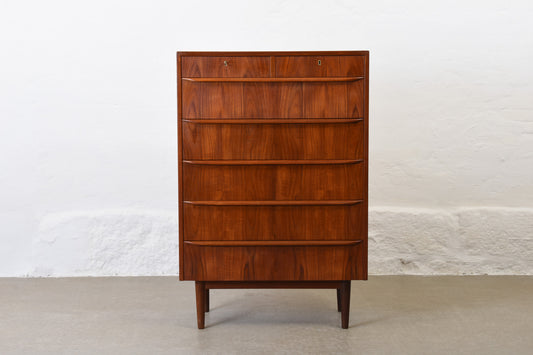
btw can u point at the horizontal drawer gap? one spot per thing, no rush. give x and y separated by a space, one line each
277 80
276 121
273 162
271 243
276 203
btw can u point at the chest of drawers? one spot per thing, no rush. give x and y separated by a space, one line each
273 171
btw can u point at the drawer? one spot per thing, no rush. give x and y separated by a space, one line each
272 182
205 141
306 222
320 66
273 100
225 67
274 263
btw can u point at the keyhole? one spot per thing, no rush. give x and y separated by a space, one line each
319 62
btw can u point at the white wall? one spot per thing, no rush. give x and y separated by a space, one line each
88 127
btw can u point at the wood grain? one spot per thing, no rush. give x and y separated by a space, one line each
179 163
275 203
226 67
272 100
274 222
333 100
273 141
273 182
274 162
206 263
275 121
275 80
273 170
272 284
330 66
271 243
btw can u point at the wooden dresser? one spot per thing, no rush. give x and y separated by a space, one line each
273 171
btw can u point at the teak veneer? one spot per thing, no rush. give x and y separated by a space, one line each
273 171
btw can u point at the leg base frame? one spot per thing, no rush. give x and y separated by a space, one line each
203 287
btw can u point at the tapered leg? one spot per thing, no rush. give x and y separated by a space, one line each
338 299
345 303
200 303
207 300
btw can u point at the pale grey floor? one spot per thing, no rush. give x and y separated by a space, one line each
156 315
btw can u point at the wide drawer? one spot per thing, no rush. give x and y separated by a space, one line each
304 222
274 263
320 66
225 67
204 140
272 182
212 100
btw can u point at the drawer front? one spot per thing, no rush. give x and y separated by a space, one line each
274 222
204 141
277 263
320 66
225 67
272 182
273 100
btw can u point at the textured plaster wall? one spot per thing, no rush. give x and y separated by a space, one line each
88 131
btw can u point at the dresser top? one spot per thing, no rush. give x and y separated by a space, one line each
280 53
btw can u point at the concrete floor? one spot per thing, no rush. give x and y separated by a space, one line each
156 315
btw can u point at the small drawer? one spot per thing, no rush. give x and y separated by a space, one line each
225 67
320 66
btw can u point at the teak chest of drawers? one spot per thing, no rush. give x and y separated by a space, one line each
273 171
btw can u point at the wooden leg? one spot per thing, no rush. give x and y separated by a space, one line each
345 304
207 300
200 303
338 299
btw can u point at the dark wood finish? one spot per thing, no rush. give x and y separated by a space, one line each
274 162
274 80
275 121
272 284
200 303
226 67
334 100
320 66
180 170
218 100
272 263
269 141
270 243
269 53
273 182
205 286
267 222
345 303
275 203
273 171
